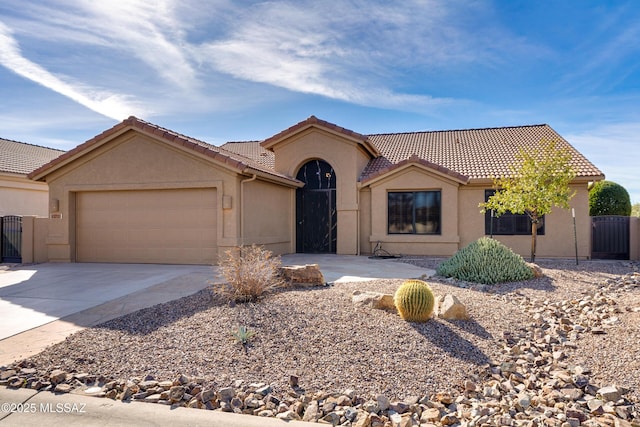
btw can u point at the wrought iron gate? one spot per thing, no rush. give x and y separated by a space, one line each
316 214
11 239
610 237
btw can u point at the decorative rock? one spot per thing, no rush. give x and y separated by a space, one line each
288 416
293 381
62 388
373 299
264 390
610 393
383 402
176 393
5 375
399 407
207 395
312 412
332 418
225 394
535 268
452 309
303 275
57 376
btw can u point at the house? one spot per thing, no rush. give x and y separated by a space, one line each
141 193
18 194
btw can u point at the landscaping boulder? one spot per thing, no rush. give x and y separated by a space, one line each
302 275
373 299
451 308
537 271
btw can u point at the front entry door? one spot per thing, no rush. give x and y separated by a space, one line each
316 214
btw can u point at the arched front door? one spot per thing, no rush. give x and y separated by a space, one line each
316 215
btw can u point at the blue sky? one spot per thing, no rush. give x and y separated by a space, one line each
222 70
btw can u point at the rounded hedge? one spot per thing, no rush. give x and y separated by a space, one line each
486 261
609 198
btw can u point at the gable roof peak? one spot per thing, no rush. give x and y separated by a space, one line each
311 121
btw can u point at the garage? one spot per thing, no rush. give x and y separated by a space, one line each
172 226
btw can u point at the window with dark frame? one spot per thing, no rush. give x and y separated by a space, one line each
508 224
414 212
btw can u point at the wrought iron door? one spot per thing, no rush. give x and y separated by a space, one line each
11 239
316 215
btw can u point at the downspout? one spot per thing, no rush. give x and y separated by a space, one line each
253 178
358 221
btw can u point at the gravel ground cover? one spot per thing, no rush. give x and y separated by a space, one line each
551 330
320 337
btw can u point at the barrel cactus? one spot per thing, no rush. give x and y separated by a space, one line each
414 301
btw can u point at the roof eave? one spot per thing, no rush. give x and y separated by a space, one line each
440 171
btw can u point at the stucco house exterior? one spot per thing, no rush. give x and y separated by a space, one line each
141 193
18 194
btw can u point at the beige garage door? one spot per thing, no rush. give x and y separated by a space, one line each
147 226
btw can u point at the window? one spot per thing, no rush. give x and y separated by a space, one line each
414 212
508 223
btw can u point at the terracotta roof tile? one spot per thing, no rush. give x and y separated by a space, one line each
21 158
252 150
463 154
476 153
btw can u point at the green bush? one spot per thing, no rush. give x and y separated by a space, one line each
609 198
486 261
414 301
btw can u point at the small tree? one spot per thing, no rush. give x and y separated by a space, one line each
608 198
635 209
538 181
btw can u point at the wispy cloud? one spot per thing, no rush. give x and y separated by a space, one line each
109 104
335 50
614 147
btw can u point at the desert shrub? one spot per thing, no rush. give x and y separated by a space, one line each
249 272
609 198
486 261
414 301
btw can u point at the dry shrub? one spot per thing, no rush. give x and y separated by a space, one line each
249 272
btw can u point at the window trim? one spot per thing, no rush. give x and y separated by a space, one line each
438 231
508 216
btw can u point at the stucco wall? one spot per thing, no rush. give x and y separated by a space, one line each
413 179
268 216
135 161
634 238
34 234
347 159
21 196
558 241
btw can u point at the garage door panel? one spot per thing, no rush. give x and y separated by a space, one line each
147 226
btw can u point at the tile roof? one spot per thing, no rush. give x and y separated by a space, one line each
252 150
463 154
21 158
220 154
476 153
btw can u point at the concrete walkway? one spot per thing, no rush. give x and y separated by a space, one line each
352 268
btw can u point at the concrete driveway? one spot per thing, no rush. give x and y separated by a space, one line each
31 296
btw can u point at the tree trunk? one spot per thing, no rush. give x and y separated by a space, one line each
534 234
